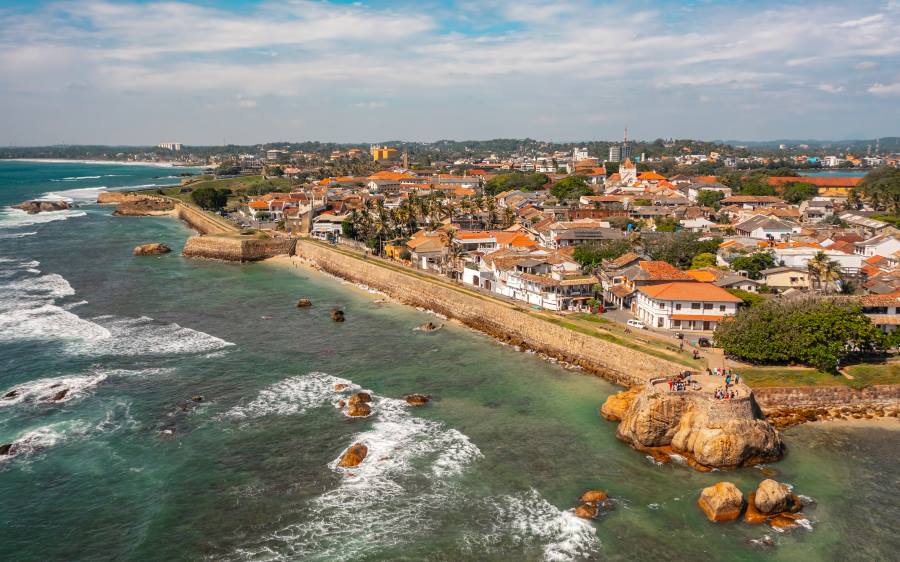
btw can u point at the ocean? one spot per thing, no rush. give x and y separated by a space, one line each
127 467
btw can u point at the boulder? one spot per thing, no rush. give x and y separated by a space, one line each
34 207
354 455
617 404
304 303
593 496
5 449
339 387
197 398
752 515
11 394
721 502
60 395
359 410
587 511
772 497
359 398
416 399
337 315
153 249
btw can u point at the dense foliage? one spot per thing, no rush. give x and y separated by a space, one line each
516 180
710 198
592 254
820 333
881 189
210 198
678 248
570 188
703 259
796 193
753 263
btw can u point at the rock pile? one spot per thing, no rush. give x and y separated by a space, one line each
35 206
590 503
153 249
772 503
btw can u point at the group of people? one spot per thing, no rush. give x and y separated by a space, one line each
679 382
730 378
725 394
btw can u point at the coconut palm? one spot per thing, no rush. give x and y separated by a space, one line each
823 270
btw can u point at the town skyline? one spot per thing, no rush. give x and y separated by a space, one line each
215 73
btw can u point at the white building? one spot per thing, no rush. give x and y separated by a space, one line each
684 305
173 146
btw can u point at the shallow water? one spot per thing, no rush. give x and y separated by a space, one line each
125 466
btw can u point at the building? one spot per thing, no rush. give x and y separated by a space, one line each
882 310
382 153
173 146
783 278
684 306
762 227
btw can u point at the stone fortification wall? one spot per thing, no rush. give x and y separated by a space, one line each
826 396
201 222
614 362
234 248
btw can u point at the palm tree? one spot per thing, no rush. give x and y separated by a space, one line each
824 270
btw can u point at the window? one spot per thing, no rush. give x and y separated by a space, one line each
676 323
661 304
721 308
678 306
695 306
707 306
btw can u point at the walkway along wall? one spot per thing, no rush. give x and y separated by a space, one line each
612 361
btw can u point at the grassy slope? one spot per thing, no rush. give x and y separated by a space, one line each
863 375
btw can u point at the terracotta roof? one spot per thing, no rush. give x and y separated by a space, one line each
650 176
706 179
624 259
881 300
688 292
621 290
702 275
663 271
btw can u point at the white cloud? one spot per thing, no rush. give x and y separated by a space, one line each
866 65
885 89
831 88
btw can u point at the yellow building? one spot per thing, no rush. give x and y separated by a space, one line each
384 153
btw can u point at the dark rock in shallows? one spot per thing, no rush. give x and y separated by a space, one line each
60 395
5 449
416 399
303 303
337 315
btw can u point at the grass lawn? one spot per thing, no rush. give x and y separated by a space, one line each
235 184
863 375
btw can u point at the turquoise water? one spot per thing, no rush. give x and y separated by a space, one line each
834 173
126 467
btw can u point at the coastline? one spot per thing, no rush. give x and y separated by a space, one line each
100 162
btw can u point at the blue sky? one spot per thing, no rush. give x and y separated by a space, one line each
204 71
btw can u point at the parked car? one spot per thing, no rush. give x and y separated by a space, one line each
637 324
704 342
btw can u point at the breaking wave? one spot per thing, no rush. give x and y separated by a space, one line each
47 390
17 218
291 396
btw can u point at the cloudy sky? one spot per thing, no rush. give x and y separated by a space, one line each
204 71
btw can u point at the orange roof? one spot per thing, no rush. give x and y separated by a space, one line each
664 271
875 260
816 181
701 275
259 205
650 176
681 291
707 179
388 175
880 300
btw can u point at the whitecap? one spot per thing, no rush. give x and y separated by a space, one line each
145 336
291 396
84 194
17 235
17 218
44 390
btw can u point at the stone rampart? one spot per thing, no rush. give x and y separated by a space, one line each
826 396
235 248
501 320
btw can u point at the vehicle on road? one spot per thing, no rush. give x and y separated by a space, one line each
704 342
637 324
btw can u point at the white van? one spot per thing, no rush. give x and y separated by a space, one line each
637 324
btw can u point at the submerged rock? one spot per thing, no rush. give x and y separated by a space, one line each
337 315
304 303
11 394
587 511
339 387
153 249
721 502
358 410
353 456
772 497
196 398
60 395
5 449
416 399
34 207
428 327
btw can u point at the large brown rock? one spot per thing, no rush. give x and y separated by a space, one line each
34 207
303 303
721 502
772 497
359 398
617 404
416 399
587 510
354 455
358 410
153 249
337 315
593 496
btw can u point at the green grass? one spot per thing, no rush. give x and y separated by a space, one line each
863 375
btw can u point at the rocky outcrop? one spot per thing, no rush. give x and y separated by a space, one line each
590 504
353 456
115 197
416 399
587 511
709 433
359 410
59 395
339 387
153 249
304 303
721 502
337 315
360 398
617 404
34 207
772 497
593 496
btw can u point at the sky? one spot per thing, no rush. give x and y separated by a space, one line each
245 72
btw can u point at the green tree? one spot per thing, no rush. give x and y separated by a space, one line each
710 198
749 298
704 259
210 198
571 187
678 248
666 224
753 263
881 189
796 193
592 254
516 181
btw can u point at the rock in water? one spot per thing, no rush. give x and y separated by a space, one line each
721 502
303 303
358 410
617 404
360 398
153 249
593 496
339 387
337 315
60 395
752 515
416 399
34 207
587 511
353 455
772 497
5 449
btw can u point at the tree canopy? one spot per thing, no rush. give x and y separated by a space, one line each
710 198
703 259
516 180
678 248
820 333
881 189
753 263
592 254
796 193
210 198
571 187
